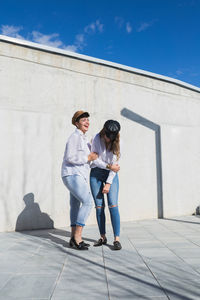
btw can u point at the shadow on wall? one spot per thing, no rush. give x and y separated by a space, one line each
31 217
156 128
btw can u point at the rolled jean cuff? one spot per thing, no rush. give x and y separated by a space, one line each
73 225
80 224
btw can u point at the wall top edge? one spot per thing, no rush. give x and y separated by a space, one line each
83 57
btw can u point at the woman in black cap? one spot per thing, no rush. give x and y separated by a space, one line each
104 179
75 176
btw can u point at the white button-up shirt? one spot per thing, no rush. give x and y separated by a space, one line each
105 157
75 160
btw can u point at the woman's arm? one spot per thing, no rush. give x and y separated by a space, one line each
95 148
114 168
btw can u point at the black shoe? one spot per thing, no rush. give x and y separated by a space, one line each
79 246
72 244
100 242
117 245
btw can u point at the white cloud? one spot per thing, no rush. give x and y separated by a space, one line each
143 26
53 39
99 26
79 42
128 27
119 21
80 38
49 40
12 31
90 28
71 48
93 27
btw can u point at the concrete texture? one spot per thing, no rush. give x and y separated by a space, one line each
42 87
160 260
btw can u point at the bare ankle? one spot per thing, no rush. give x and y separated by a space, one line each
78 238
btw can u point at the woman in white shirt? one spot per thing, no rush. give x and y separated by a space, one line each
104 179
75 176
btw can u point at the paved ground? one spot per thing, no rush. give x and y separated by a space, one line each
160 260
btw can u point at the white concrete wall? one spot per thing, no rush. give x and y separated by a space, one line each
39 93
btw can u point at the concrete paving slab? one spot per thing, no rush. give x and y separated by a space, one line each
150 253
122 272
159 260
187 252
193 262
29 286
181 290
170 270
180 243
137 287
4 278
83 287
147 244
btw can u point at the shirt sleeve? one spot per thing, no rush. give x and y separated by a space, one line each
112 173
75 152
111 177
95 148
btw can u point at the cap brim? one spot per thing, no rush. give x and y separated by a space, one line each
83 115
111 136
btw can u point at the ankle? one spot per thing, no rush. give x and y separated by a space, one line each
78 238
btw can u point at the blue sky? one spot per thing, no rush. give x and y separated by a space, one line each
160 36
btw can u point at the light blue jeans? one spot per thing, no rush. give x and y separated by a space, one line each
98 178
81 200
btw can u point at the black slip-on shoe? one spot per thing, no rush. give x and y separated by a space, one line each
117 245
100 242
79 246
72 244
86 244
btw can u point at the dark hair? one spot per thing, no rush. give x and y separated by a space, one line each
114 145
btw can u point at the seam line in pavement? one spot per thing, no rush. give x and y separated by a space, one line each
104 263
175 252
59 275
149 270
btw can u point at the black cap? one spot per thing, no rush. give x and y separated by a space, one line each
78 115
112 128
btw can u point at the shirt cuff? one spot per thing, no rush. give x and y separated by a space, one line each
110 177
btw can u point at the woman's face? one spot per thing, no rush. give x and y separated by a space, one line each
83 124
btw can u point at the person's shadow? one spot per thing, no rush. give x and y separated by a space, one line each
31 221
31 217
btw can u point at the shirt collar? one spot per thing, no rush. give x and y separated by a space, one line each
80 132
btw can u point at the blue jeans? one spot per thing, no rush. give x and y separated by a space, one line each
97 179
80 199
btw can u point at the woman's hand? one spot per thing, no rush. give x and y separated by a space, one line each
115 168
106 188
92 156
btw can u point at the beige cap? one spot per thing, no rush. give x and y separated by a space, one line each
78 114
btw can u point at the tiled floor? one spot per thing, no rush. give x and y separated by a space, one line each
160 260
